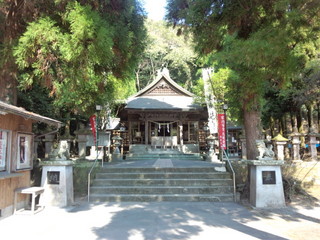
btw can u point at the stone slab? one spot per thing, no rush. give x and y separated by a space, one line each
59 190
266 187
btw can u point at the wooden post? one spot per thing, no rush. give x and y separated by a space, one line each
146 132
181 133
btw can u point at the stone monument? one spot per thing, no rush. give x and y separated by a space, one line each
266 187
57 177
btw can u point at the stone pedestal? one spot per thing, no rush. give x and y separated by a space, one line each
57 180
266 187
117 157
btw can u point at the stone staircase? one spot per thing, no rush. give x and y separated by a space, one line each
145 184
152 156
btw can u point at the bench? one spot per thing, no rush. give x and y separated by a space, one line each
34 192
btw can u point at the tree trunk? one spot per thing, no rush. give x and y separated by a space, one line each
318 122
272 127
138 80
16 13
252 126
310 108
299 120
8 82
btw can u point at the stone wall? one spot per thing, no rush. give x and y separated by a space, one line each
80 177
308 173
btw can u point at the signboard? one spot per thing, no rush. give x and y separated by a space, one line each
24 151
104 139
222 131
53 177
93 121
268 177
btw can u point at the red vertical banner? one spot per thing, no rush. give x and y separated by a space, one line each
222 131
93 128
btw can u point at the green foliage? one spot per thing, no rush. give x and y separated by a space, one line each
262 41
37 99
166 49
82 54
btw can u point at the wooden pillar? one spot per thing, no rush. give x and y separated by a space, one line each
130 134
181 132
146 132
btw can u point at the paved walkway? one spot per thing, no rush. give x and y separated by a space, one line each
164 221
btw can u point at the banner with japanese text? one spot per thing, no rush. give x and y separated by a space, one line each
222 131
93 128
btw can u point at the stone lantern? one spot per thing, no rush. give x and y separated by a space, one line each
211 153
313 145
117 143
280 143
296 145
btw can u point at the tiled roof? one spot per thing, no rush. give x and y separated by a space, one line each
165 94
162 102
8 108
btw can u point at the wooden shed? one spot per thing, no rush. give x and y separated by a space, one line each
16 152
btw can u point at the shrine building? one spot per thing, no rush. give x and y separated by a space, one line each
164 115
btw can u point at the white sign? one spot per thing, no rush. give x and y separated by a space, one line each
3 149
24 153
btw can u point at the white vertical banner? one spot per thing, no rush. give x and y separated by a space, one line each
3 149
210 100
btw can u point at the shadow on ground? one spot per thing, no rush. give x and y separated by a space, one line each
187 220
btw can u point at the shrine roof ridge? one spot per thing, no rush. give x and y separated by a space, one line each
166 77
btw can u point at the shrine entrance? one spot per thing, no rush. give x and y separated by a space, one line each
164 129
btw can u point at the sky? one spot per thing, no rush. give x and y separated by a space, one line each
155 9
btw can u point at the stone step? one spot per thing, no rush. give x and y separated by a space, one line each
162 182
156 158
137 157
161 190
157 169
168 155
161 198
152 159
198 181
159 175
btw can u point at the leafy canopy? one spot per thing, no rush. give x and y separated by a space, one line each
262 41
83 55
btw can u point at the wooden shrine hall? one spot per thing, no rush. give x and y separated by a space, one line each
163 115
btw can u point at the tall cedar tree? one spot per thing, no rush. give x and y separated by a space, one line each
81 50
264 42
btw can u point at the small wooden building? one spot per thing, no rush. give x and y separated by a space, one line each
164 115
16 152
